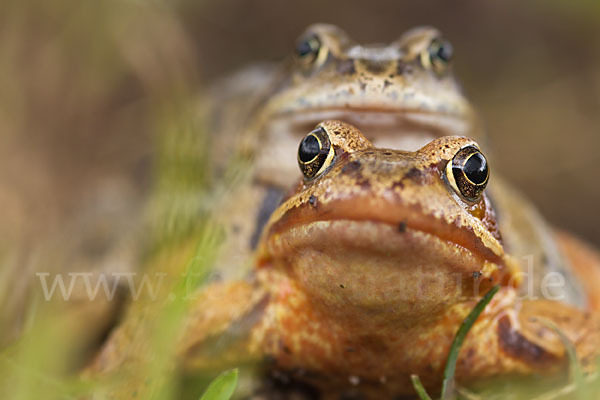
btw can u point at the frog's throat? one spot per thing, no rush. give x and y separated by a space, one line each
380 119
400 231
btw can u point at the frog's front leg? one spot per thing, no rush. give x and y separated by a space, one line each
521 339
215 335
221 327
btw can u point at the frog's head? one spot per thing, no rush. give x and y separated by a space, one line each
387 232
403 95
407 85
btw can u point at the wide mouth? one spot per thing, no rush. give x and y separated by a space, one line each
391 128
387 273
381 258
375 121
375 226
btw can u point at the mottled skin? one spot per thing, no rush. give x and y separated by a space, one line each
396 92
370 268
268 110
264 111
363 275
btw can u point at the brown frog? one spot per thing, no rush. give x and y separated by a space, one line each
365 271
402 94
268 110
405 89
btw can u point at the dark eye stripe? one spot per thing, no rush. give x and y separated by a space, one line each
271 200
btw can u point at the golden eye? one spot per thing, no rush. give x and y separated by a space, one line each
315 153
309 50
468 173
438 55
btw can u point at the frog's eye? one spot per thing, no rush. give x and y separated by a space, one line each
468 173
315 153
438 55
309 50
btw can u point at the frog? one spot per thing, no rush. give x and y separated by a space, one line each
406 89
367 268
403 94
262 114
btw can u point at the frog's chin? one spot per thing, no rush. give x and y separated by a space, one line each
371 266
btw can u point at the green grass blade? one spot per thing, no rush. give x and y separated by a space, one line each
419 387
222 387
459 339
575 368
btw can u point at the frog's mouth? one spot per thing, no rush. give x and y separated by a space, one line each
405 128
398 239
385 272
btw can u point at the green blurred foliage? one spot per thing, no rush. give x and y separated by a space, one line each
222 387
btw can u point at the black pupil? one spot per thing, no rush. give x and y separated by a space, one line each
476 169
444 51
309 148
307 46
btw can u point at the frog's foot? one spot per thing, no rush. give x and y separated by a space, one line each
524 340
219 331
511 338
216 334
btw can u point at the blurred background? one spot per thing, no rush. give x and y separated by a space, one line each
88 87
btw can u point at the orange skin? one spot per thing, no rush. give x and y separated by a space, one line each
365 273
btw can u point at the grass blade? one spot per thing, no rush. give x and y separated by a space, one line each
419 387
459 339
576 373
222 387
